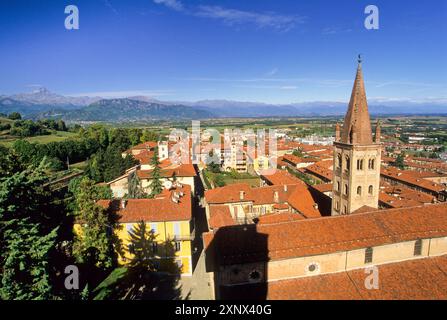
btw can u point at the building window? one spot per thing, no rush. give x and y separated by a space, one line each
337 205
360 164
348 163
346 189
345 210
153 228
368 255
177 246
418 247
371 164
154 247
359 190
176 228
313 267
370 189
129 227
339 161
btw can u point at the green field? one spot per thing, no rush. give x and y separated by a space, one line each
56 136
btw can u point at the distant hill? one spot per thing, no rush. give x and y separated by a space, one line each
41 100
42 103
124 109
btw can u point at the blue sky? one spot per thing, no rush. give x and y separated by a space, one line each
265 50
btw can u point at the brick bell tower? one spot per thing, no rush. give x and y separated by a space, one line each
356 156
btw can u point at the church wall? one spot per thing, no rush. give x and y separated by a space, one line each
333 262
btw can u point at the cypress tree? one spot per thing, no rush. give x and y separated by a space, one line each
156 185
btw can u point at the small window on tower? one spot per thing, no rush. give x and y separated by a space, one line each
359 190
348 163
370 189
418 247
371 164
346 189
368 255
360 164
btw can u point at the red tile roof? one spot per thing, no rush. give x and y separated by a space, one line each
281 177
183 170
145 145
162 208
297 196
409 177
420 279
220 216
320 171
329 234
279 218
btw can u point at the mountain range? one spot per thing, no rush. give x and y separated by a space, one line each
42 103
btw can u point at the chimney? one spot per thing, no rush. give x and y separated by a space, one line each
276 197
285 188
241 195
337 132
123 203
316 206
175 197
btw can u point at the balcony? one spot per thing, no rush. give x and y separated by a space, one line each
189 237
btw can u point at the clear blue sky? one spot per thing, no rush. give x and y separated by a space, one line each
264 50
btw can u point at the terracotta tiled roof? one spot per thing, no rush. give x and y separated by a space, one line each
281 177
320 171
290 158
323 187
144 157
297 196
228 194
279 218
145 145
411 178
420 279
162 208
220 216
183 170
329 234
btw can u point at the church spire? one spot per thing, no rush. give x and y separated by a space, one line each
357 125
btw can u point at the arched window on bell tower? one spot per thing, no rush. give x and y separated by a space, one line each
371 164
339 161
359 164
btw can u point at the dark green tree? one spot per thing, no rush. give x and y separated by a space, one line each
27 235
399 162
96 239
15 116
155 184
135 190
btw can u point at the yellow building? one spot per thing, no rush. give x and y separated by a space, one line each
168 216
